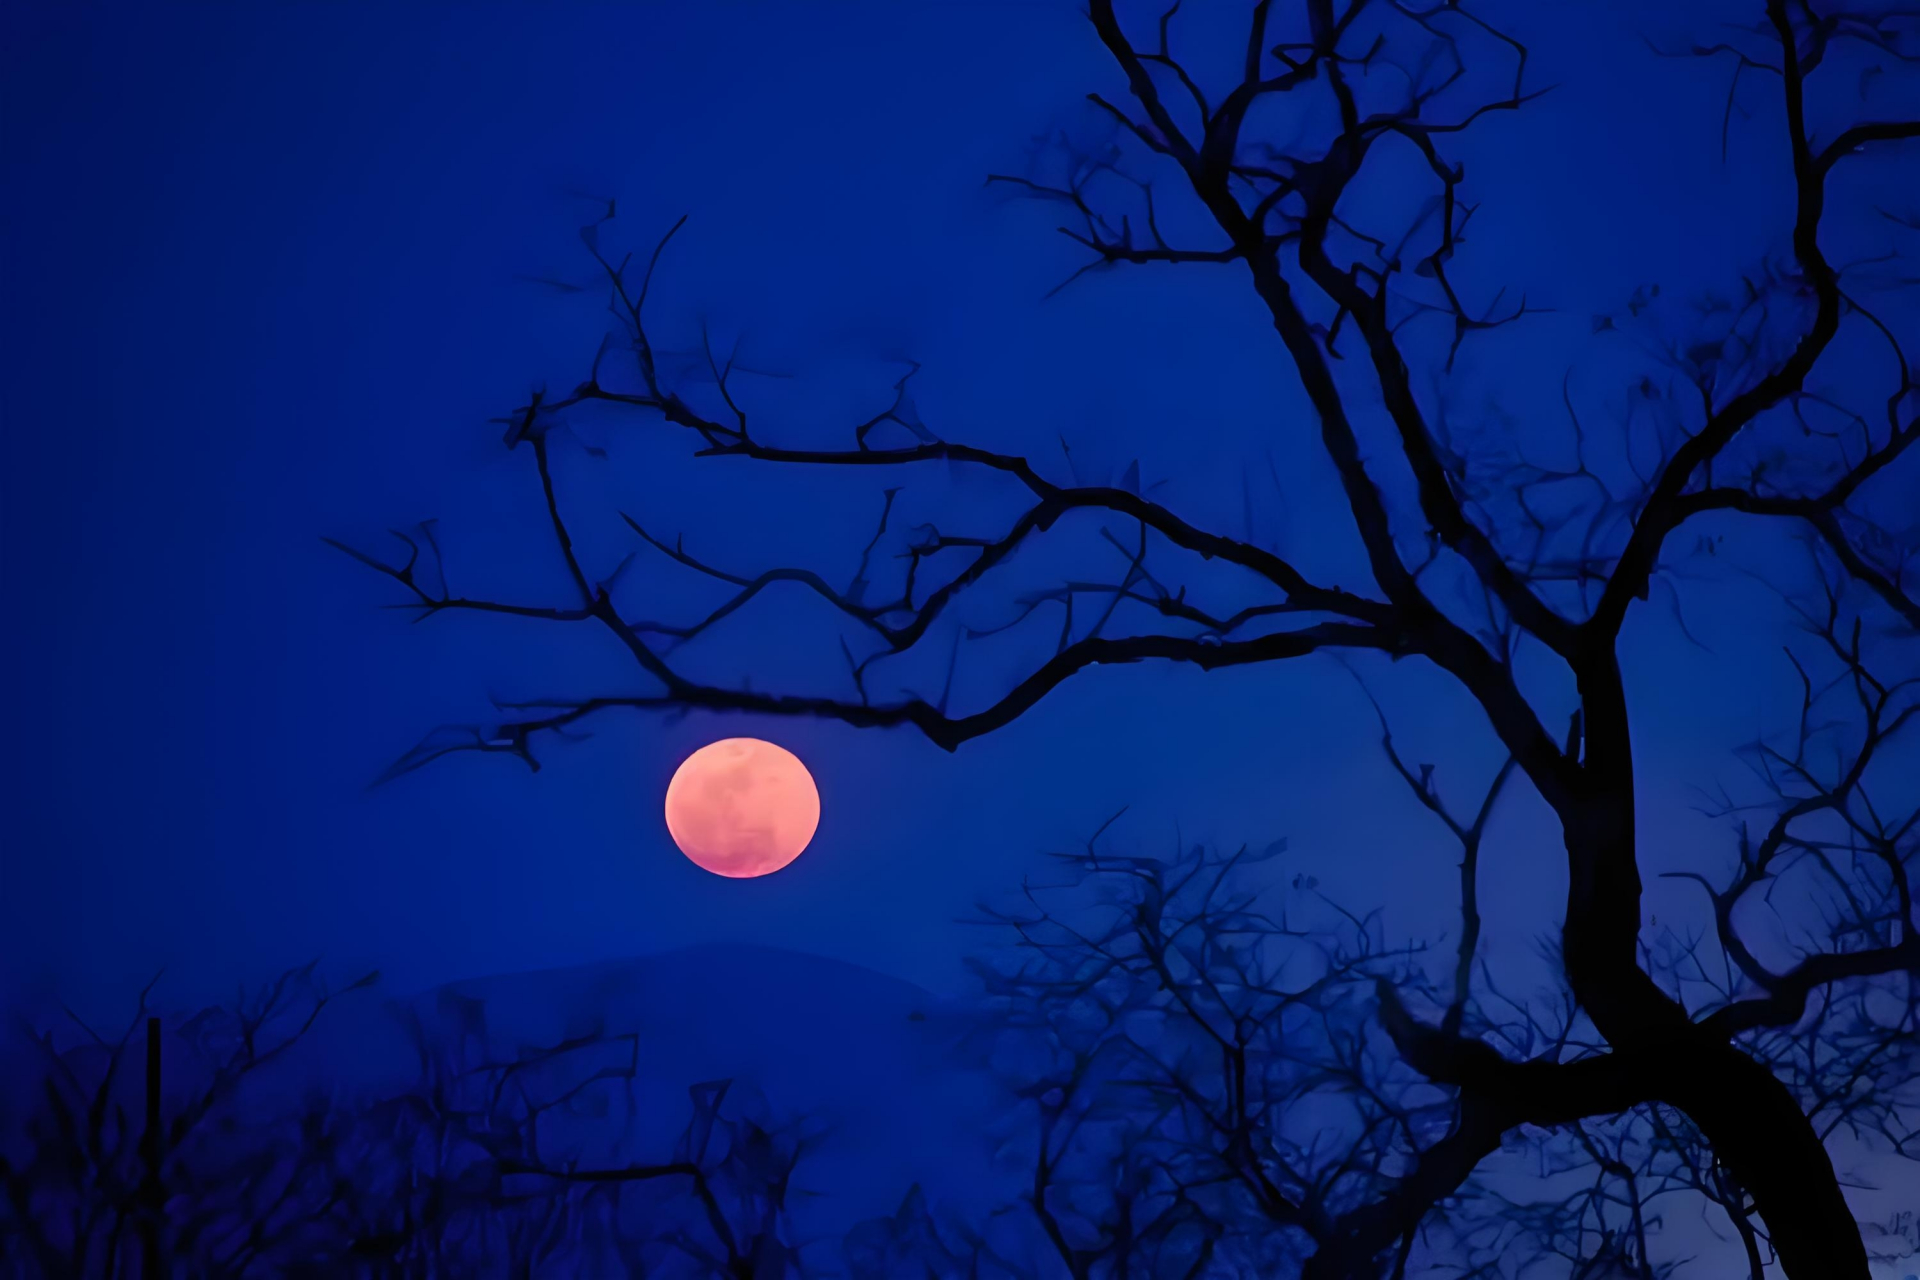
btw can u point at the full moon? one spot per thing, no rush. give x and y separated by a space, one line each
741 807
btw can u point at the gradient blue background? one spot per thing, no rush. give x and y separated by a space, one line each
264 282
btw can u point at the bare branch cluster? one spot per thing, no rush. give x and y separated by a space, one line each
482 1163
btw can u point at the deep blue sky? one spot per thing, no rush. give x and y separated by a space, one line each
263 282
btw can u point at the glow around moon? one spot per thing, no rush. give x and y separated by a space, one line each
741 807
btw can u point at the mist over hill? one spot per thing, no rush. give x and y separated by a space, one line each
888 1082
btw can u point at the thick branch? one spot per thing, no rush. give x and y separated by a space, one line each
1786 998
1822 514
1055 500
1496 1095
944 730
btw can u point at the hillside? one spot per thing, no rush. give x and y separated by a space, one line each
876 1069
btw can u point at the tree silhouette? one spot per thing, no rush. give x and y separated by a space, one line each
491 1159
1789 404
1217 1074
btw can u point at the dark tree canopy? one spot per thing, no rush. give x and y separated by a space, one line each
1777 414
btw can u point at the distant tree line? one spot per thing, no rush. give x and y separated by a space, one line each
214 1167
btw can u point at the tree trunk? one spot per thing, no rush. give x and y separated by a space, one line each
152 1194
1750 1119
1758 1131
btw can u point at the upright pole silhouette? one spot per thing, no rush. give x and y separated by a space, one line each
152 1198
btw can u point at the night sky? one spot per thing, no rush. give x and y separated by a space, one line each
271 269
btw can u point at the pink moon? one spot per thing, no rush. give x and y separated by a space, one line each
742 808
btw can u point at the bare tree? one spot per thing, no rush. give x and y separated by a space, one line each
1208 1086
1203 1089
1209 1079
84 1157
1788 403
